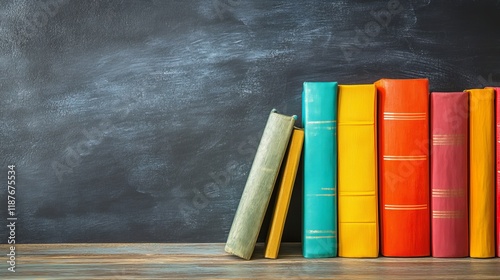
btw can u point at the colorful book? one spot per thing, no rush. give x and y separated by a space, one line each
497 173
259 186
482 170
449 179
404 167
319 117
285 188
497 106
357 171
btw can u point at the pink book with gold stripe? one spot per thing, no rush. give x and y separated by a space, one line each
449 180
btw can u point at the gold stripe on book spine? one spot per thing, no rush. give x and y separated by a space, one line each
355 123
354 193
323 234
320 122
448 139
321 231
399 113
419 157
447 214
405 116
405 207
447 192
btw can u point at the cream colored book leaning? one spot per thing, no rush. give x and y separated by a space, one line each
259 186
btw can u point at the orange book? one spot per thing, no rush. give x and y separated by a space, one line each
482 173
403 112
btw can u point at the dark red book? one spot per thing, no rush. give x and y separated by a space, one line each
403 114
449 174
497 96
497 121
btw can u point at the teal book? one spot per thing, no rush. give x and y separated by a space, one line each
319 118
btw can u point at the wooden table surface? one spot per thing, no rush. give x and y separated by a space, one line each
209 261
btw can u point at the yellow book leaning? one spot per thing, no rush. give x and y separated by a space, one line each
357 169
482 173
290 167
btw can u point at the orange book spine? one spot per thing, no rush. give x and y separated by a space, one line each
481 173
404 167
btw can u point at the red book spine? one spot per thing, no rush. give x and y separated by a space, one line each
449 174
497 118
404 167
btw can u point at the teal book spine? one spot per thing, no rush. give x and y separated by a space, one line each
319 118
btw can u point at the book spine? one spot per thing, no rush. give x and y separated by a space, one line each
497 173
357 167
404 167
482 167
449 180
497 98
285 189
319 235
259 186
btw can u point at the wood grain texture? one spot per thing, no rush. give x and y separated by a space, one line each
154 109
209 261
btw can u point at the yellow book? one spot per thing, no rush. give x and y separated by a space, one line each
482 173
357 169
290 167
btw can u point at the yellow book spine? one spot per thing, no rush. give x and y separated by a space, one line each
357 169
482 173
284 194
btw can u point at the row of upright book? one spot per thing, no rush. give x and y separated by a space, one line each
388 169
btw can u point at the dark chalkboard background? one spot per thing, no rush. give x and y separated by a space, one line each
137 121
